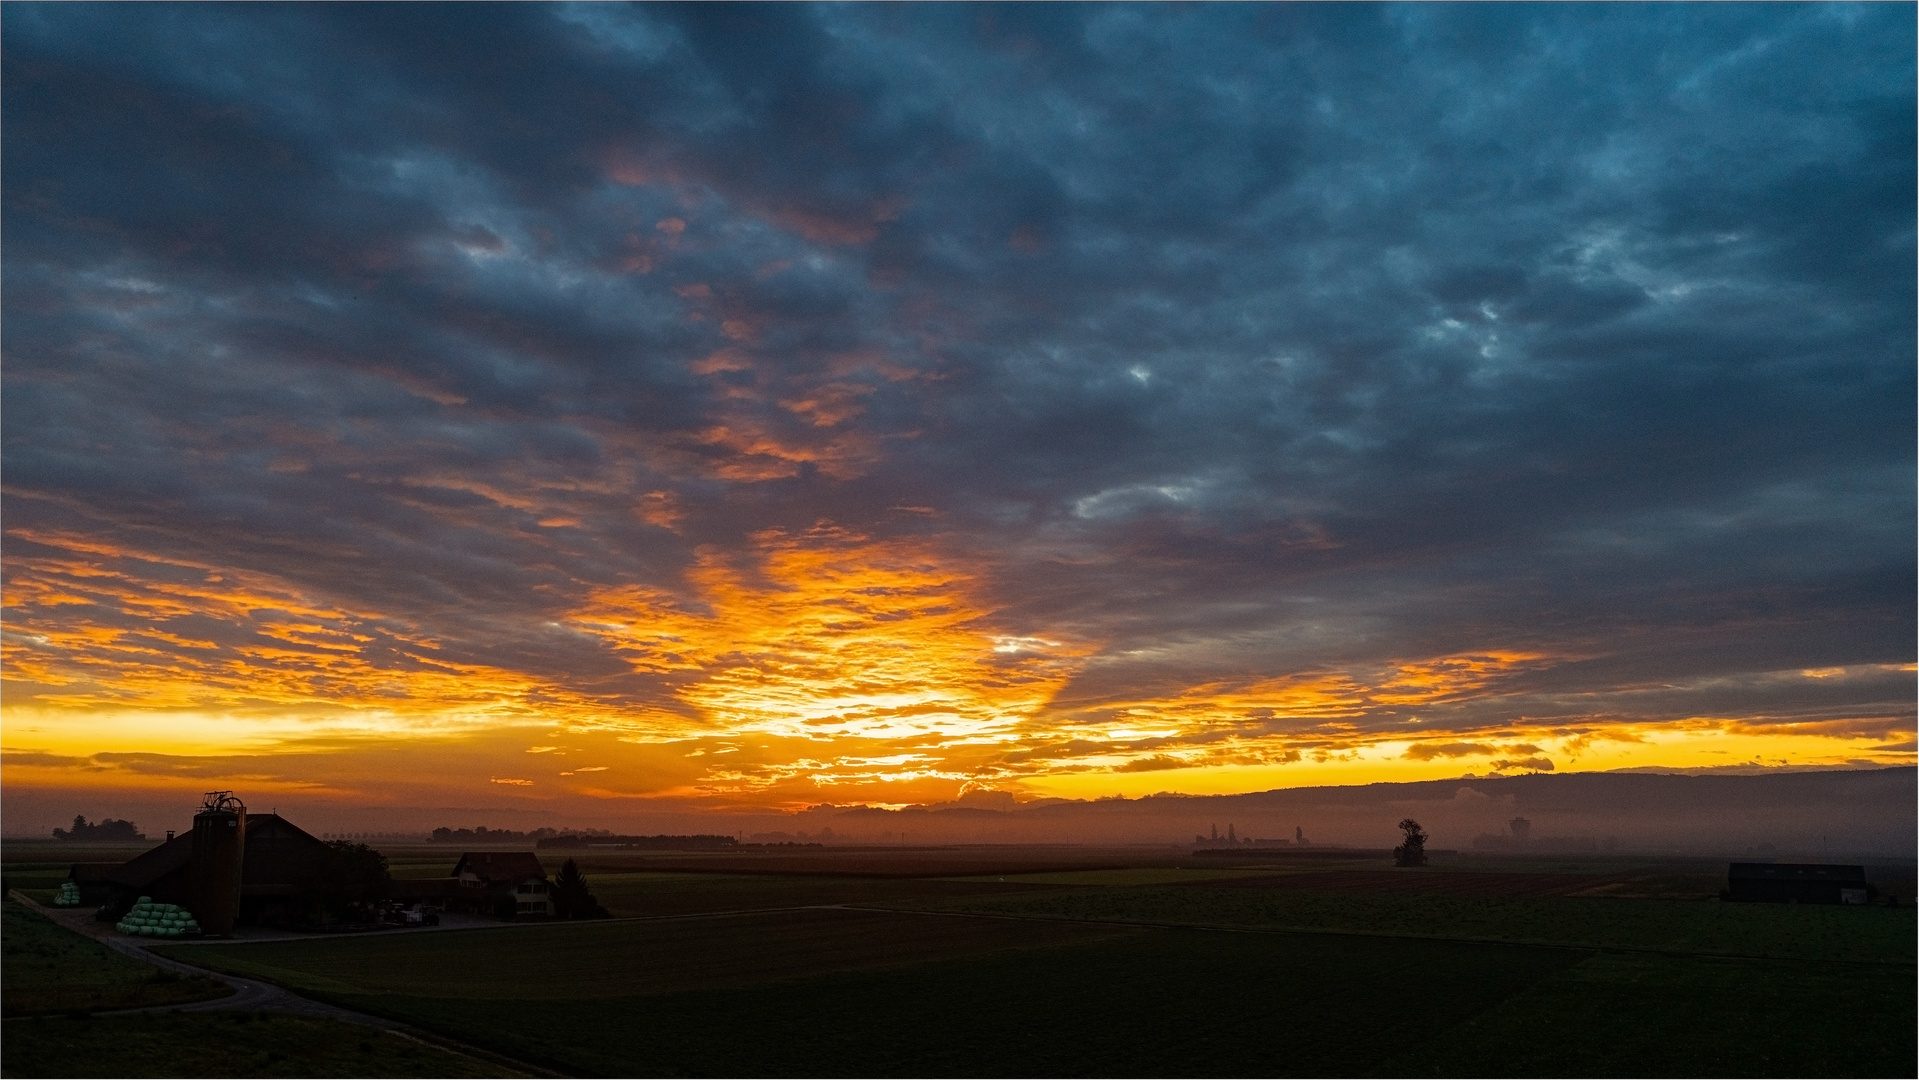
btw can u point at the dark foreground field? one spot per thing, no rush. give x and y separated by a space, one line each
220 1044
1087 966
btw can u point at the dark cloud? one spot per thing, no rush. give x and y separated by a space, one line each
1231 341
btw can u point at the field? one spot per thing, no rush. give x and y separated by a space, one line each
50 969
620 958
60 988
1333 966
220 1044
1689 927
1106 962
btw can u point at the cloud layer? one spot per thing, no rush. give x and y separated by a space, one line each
887 399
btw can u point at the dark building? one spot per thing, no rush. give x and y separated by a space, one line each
513 883
270 859
1797 883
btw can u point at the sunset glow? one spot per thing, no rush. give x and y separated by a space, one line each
656 428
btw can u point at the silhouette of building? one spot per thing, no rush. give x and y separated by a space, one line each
1797 883
505 876
1230 840
272 860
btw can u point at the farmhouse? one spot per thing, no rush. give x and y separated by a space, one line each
232 868
1797 883
513 877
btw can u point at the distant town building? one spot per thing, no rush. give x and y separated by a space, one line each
1232 839
1797 883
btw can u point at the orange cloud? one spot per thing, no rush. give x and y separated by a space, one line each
829 634
1450 677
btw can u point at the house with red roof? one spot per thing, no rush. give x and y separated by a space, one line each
514 876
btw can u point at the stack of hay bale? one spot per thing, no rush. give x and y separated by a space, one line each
67 896
148 919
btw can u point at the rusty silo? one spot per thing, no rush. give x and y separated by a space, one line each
213 869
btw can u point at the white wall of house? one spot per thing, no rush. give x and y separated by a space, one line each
533 898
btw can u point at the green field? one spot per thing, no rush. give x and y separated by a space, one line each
1074 966
571 961
881 993
50 969
1762 930
1643 1015
923 994
654 893
220 1044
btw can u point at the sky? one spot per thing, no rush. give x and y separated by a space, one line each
613 410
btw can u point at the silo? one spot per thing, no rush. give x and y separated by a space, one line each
214 867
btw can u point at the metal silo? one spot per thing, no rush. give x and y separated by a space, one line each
214 867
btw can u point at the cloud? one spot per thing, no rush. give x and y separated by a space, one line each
1531 764
1428 751
691 373
1155 763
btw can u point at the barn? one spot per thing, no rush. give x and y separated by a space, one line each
1797 883
273 860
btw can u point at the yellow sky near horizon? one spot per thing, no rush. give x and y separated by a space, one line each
822 666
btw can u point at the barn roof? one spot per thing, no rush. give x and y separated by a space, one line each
501 867
278 852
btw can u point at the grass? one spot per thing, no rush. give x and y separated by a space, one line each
1769 930
642 893
219 1044
50 969
688 894
1638 1015
1165 1002
1547 986
612 959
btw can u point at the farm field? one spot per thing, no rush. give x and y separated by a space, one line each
1333 964
864 992
1117 1002
1760 930
220 1044
573 961
1638 1015
688 894
50 969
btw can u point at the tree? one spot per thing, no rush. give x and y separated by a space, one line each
107 829
1413 851
571 899
347 880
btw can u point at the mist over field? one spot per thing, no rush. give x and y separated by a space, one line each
1837 812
